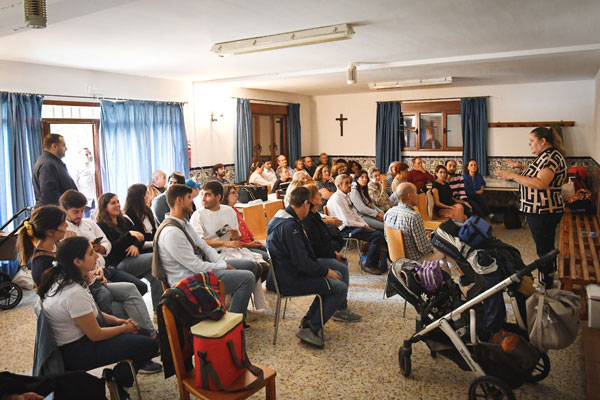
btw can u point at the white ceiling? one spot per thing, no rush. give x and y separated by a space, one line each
475 41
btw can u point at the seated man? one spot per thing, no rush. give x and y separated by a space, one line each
219 171
353 226
159 204
179 252
268 173
309 165
457 183
298 272
157 186
217 224
403 217
283 164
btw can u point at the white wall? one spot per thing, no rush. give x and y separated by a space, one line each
214 142
520 102
595 153
43 79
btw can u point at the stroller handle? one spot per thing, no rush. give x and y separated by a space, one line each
546 258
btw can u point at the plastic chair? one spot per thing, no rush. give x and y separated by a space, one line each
281 296
255 219
395 243
186 380
272 208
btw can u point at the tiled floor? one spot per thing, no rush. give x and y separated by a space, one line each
359 361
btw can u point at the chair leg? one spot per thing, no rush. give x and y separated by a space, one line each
346 247
404 314
321 311
134 373
284 308
276 320
358 254
270 388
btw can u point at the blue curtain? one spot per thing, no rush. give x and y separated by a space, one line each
474 121
20 147
389 133
243 140
294 133
138 137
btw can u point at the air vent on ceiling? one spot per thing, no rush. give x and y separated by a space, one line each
35 13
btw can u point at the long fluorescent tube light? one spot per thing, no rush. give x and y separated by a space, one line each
410 83
282 40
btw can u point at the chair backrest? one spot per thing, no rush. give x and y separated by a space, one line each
255 219
422 205
272 208
178 352
395 243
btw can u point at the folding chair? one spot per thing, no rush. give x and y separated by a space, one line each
256 221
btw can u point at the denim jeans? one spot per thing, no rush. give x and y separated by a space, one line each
332 297
375 239
239 284
115 275
543 230
244 265
141 267
127 303
342 269
373 222
84 355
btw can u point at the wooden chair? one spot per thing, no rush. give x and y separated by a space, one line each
395 243
272 208
255 218
431 223
186 379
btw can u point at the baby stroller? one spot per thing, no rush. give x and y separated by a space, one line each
10 293
444 325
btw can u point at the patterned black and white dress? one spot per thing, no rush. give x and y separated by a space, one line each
548 200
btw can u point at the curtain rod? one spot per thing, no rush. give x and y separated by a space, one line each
437 99
103 98
264 101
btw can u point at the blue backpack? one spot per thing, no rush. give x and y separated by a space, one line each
475 231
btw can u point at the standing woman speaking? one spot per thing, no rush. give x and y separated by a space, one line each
540 197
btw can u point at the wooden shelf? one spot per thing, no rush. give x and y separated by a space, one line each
529 124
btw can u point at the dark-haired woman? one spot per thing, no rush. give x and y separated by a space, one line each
71 312
354 168
140 215
359 195
446 206
127 244
255 177
474 186
37 239
539 186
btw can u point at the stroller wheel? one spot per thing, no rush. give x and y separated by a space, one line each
10 295
541 370
404 361
490 388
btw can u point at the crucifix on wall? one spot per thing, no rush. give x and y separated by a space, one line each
341 119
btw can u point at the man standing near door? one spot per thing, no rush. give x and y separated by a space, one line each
85 179
50 176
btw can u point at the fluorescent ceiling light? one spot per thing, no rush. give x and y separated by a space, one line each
410 83
282 40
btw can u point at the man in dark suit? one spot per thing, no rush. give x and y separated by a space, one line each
50 176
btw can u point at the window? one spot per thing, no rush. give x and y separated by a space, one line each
269 131
432 126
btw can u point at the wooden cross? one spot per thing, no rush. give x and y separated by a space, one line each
341 119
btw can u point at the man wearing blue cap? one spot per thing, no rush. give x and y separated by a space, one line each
195 191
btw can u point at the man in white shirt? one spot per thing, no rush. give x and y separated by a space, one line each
177 258
268 173
85 179
353 226
283 164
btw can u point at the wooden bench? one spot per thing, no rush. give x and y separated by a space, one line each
578 262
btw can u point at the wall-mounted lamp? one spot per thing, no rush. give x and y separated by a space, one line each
212 117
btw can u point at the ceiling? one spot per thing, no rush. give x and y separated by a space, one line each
476 42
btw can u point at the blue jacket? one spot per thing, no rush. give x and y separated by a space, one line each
297 269
473 184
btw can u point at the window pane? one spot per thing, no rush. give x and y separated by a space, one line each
454 131
431 131
410 131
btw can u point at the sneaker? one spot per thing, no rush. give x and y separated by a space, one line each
304 323
151 367
346 316
372 271
308 336
246 326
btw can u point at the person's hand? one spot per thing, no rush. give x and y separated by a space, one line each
100 274
235 235
230 266
466 203
132 251
235 244
132 322
514 164
129 328
98 248
333 221
255 244
70 234
333 275
502 174
380 216
369 227
340 257
138 235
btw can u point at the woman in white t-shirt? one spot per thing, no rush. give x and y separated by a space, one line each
256 178
84 342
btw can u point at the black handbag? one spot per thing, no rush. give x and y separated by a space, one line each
249 193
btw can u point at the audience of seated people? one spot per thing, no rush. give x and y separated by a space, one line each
474 186
377 190
255 176
127 244
219 171
217 224
159 204
353 226
180 252
359 195
282 163
297 269
419 176
157 186
268 174
86 337
445 205
324 182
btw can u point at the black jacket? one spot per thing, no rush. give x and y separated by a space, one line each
298 271
50 179
318 235
120 240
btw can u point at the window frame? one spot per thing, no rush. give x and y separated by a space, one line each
445 108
